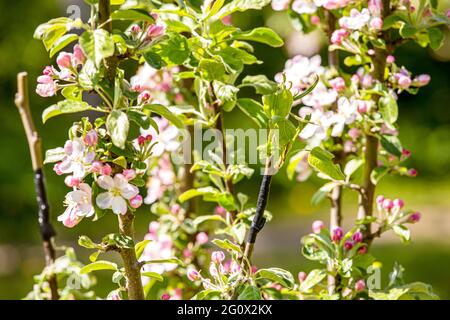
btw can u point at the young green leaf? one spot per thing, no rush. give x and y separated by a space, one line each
322 161
118 125
97 45
98 265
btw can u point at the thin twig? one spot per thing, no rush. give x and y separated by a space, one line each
34 144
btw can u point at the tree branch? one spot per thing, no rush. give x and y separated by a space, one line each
371 145
34 143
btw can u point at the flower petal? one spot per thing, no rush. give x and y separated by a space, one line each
104 200
119 205
105 182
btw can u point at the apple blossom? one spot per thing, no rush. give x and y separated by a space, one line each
193 275
64 60
360 285
136 201
119 190
217 256
280 5
91 138
79 205
201 238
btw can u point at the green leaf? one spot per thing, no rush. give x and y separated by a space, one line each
227 245
436 37
166 113
407 30
93 257
173 49
323 192
254 111
213 217
54 155
170 260
62 43
119 240
286 131
121 161
133 14
392 145
261 84
98 265
97 45
322 161
352 166
64 107
153 59
241 5
313 278
118 125
262 35
86 242
278 275
403 232
189 194
140 247
250 293
388 109
278 103
153 275
207 294
378 173
211 69
226 94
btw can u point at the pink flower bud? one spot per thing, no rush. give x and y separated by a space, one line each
367 81
360 285
48 71
175 209
355 79
136 202
57 169
64 60
135 28
201 238
387 204
357 237
371 52
187 253
338 36
47 89
406 153
78 54
362 106
179 98
193 275
362 250
114 296
337 234
45 79
376 24
129 174
302 276
71 181
390 59
213 270
235 267
404 81
354 133
106 170
317 226
422 80
144 97
227 20
348 245
448 13
141 140
96 166
398 203
253 269
165 296
315 20
91 138
338 84
380 199
217 256
155 31
415 217
412 172
221 211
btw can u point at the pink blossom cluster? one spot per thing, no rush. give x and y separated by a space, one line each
50 80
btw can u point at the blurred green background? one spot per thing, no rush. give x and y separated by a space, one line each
425 130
